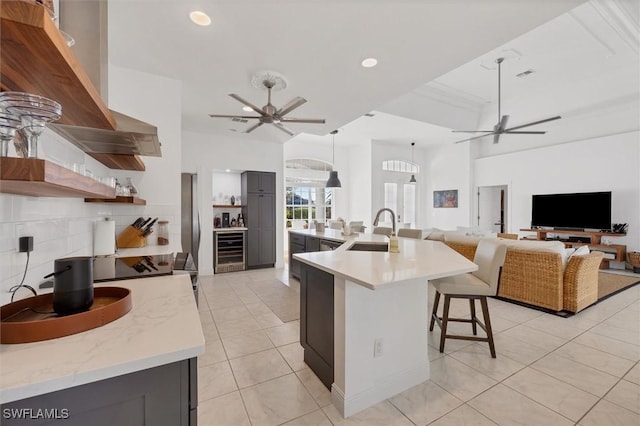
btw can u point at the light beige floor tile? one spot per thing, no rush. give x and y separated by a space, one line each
210 332
478 357
625 394
215 380
268 320
633 375
511 311
618 333
246 344
559 396
277 401
558 326
233 328
463 416
248 298
535 337
434 353
205 316
579 375
258 308
284 334
316 388
381 414
602 361
316 418
508 407
213 353
516 349
458 379
450 345
628 319
226 410
293 353
425 402
606 413
258 367
216 302
229 314
609 345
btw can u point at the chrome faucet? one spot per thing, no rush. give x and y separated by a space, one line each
393 218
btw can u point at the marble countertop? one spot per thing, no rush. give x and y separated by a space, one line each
417 259
162 327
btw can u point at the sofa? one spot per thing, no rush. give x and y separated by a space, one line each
539 273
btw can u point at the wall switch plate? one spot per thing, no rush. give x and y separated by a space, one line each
378 345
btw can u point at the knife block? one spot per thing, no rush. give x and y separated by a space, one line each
131 237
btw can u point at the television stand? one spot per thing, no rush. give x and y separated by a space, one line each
616 252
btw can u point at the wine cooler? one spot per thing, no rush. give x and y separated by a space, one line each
229 251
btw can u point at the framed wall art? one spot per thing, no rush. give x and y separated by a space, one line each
445 199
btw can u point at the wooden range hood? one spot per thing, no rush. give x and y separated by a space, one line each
35 58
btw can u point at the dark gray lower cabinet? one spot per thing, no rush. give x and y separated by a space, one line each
316 321
162 396
300 244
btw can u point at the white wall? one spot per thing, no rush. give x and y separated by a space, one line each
448 167
610 163
203 153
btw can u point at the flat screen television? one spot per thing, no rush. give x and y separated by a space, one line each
585 210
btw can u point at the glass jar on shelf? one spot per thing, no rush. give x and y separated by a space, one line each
163 232
133 191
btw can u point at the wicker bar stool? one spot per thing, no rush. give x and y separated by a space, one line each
489 257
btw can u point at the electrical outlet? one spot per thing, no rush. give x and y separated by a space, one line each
25 244
378 345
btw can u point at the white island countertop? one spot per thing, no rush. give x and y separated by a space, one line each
162 327
417 259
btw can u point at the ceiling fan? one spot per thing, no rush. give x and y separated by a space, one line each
269 114
501 127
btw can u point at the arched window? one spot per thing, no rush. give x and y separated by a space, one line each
400 166
306 196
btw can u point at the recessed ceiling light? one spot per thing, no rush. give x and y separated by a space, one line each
227 170
200 18
246 108
369 62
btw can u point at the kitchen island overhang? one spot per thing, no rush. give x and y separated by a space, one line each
380 315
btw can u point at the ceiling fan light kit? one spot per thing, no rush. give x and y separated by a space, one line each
333 181
501 127
269 114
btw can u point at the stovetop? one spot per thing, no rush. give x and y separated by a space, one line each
123 268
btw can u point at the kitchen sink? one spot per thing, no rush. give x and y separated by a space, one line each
369 247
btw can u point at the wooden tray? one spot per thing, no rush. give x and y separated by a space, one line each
28 320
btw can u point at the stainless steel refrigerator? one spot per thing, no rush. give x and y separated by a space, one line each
190 218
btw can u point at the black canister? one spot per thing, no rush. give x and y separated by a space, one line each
73 285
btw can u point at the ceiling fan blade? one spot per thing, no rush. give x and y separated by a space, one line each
496 138
303 120
475 137
247 103
284 129
232 116
252 128
291 105
503 123
524 133
557 117
473 131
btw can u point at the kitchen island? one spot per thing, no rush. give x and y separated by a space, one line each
364 315
138 369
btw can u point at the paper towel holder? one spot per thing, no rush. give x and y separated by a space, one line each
104 238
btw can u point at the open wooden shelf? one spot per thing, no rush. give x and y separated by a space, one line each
42 178
227 206
35 59
119 199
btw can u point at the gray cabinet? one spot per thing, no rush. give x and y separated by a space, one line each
300 244
258 191
159 396
316 322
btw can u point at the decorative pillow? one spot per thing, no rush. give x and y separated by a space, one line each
569 252
581 251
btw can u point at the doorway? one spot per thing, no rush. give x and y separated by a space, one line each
492 213
400 197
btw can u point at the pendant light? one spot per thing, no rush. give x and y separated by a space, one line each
333 181
413 177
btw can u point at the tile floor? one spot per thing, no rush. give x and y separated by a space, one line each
549 370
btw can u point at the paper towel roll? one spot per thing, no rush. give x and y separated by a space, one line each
104 238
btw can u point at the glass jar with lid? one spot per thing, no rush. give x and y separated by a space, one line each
163 232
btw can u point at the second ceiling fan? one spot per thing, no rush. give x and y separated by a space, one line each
501 127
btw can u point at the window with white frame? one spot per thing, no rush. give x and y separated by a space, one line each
307 198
